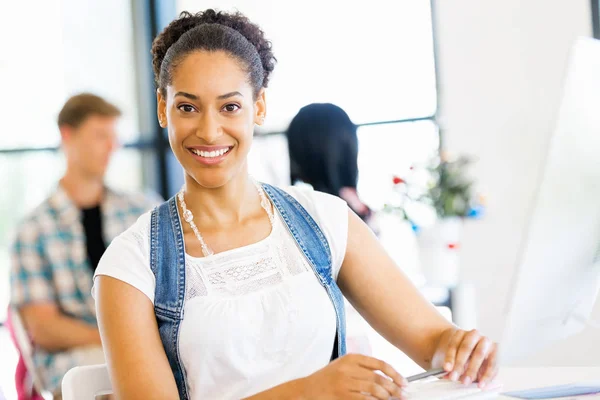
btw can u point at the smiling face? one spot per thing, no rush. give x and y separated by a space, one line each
210 111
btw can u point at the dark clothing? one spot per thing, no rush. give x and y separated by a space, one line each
94 238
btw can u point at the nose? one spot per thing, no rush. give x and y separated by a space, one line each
209 128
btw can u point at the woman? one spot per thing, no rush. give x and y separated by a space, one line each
239 298
323 148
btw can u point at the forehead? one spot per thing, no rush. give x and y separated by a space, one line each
209 72
97 121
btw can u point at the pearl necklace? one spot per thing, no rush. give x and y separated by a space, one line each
189 217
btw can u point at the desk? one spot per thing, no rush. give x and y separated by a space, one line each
528 378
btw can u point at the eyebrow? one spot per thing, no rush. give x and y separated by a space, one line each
221 97
230 94
187 95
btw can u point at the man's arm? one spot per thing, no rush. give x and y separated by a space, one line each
33 295
51 330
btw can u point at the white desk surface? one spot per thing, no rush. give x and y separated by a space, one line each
529 378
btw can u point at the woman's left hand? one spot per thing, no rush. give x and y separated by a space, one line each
467 356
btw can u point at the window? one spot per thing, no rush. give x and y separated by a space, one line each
66 46
596 18
375 62
392 149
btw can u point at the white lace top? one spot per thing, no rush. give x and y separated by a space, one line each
254 316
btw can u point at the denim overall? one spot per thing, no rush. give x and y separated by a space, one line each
167 261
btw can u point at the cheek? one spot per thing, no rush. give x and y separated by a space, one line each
243 130
243 135
178 135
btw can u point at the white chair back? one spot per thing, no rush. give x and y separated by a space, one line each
85 383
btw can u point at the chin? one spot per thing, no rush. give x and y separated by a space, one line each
214 178
211 179
97 175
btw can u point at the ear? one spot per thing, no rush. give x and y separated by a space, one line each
66 133
260 108
161 109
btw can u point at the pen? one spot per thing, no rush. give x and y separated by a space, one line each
427 374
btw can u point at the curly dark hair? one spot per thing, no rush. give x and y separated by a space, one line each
209 30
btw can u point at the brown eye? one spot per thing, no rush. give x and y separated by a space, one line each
186 108
231 107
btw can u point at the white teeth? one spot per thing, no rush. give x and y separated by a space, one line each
210 154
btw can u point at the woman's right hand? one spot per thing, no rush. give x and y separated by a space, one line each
354 376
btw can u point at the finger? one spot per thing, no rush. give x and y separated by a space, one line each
480 353
482 370
451 351
491 367
360 396
371 388
464 374
378 365
465 350
383 381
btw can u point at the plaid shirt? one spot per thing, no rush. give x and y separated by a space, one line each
50 264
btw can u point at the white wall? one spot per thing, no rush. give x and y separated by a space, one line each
500 68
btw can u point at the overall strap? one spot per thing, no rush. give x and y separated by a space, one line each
167 261
315 247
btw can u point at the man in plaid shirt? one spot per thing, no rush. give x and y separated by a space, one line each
58 246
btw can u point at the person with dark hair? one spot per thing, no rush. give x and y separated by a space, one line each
323 147
59 245
232 288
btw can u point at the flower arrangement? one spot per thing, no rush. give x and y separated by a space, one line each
451 191
443 185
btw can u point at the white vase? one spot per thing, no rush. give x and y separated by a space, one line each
439 247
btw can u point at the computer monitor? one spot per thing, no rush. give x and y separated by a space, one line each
556 283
